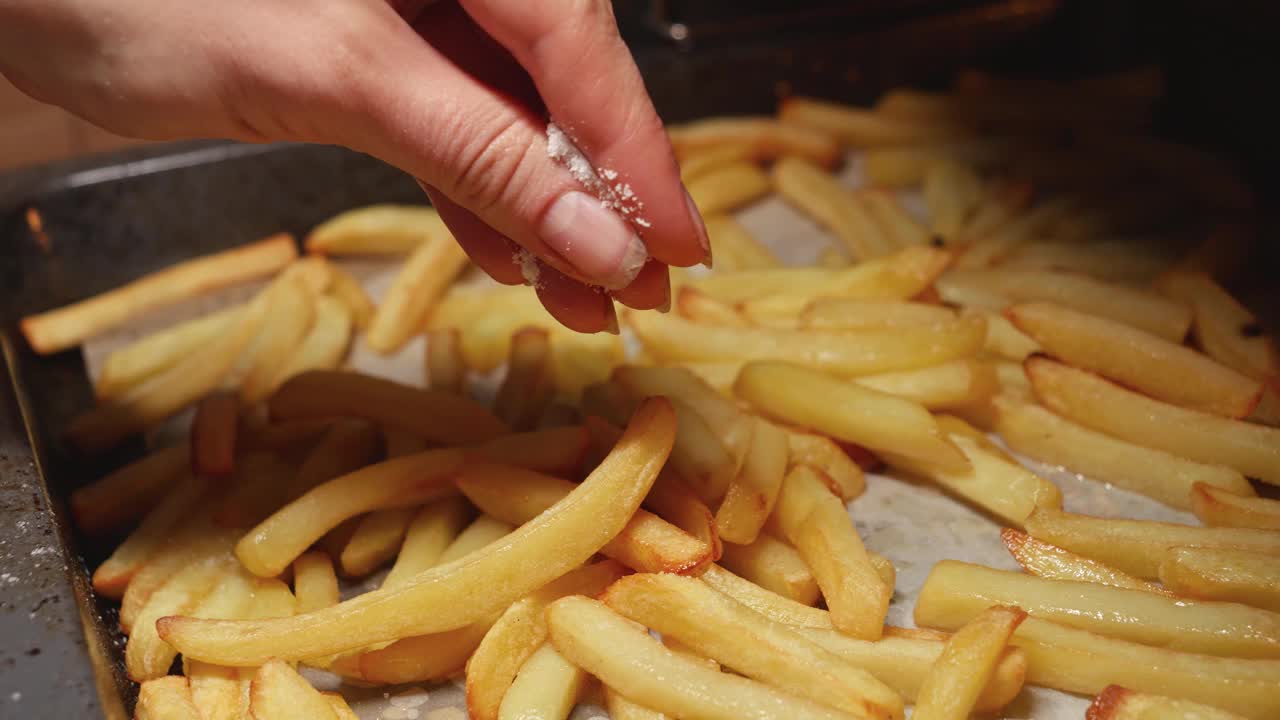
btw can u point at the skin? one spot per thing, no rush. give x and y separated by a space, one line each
456 93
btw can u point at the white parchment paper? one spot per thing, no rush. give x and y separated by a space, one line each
913 524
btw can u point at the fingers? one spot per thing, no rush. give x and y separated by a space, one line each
650 290
576 306
585 75
493 253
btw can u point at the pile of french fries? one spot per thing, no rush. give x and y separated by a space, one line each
667 533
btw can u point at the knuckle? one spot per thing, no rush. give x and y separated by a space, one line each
493 164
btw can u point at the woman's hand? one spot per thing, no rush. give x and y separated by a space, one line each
456 93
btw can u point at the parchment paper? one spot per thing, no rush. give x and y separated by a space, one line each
913 524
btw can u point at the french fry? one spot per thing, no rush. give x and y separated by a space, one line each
1012 235
955 384
166 698
848 412
445 367
65 327
774 565
817 194
377 230
816 522
452 596
729 187
325 344
420 283
1224 328
620 708
148 657
1001 201
855 352
269 548
952 193
347 446
314 583
702 308
1050 561
844 476
1237 576
776 607
734 428
856 314
896 167
195 544
1117 703
955 592
1139 308
966 665
215 690
281 436
622 655
261 484
376 540
420 658
280 693
647 543
1115 261
833 258
526 389
894 221
557 450
435 415
1095 403
752 644
340 707
213 435
484 531
857 127
290 314
1229 507
163 395
1137 359
1065 658
132 364
127 494
751 495
1033 431
1137 546
731 240
767 138
701 162
349 292
520 631
547 686
114 574
431 531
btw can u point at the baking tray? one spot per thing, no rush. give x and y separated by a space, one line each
109 220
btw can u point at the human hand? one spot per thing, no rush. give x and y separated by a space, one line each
455 93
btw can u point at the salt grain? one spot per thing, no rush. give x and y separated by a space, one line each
620 197
529 269
411 698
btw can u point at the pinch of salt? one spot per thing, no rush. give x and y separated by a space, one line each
529 269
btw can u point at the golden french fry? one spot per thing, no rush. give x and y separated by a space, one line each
132 364
1139 308
65 327
1230 507
166 698
967 663
556 450
377 230
952 193
769 604
484 531
622 655
1033 431
421 281
955 592
350 293
1118 703
819 526
817 194
751 495
445 367
268 549
857 127
290 313
1137 359
213 435
647 543
1014 234
774 565
701 162
215 690
431 531
767 138
856 314
729 187
620 708
520 631
419 658
848 412
527 388
127 494
435 415
1095 403
114 574
455 595
347 446
325 344
261 484
165 394
1223 574
340 707
1224 328
280 693
192 544
714 625
844 476
1045 560
147 656
1001 201
729 239
955 384
547 686
899 276
896 167
1117 261
702 308
376 540
894 221
734 428
314 583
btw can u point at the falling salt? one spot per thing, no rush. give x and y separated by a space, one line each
15 696
529 269
45 550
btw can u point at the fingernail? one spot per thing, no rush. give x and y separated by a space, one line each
611 320
665 307
703 240
599 244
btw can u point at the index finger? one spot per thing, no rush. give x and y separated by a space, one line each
590 84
